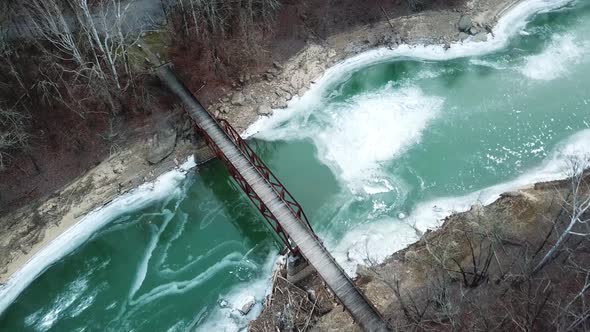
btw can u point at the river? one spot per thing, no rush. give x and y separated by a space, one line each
381 148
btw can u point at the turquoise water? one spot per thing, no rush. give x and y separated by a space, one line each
384 146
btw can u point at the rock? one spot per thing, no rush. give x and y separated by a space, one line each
277 65
463 36
279 103
162 144
372 39
247 305
187 128
284 94
473 31
223 304
296 82
465 23
224 109
410 255
511 194
238 99
118 169
264 109
481 37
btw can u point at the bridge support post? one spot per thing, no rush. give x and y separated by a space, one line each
298 268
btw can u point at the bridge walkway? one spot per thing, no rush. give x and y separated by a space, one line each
299 232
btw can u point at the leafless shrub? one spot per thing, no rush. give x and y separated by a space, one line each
206 18
416 5
577 207
13 135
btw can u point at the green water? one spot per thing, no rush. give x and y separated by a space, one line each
365 156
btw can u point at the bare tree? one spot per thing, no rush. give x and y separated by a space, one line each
12 134
88 45
216 16
578 208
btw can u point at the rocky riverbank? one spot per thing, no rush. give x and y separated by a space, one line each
259 96
476 272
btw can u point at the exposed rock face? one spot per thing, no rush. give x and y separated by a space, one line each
465 23
161 145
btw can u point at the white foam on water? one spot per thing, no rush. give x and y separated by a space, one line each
67 301
556 59
223 247
356 137
163 187
229 318
373 242
372 129
510 24
143 265
370 243
179 287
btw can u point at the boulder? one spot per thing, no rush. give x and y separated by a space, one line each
481 37
463 36
264 109
238 99
161 144
296 82
277 65
118 169
465 23
223 303
279 103
247 305
473 31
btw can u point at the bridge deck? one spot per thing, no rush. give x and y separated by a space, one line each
313 250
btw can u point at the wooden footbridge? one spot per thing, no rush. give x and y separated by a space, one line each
276 204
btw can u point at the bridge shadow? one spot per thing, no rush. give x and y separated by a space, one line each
240 212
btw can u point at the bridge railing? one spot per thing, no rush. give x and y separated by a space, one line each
261 167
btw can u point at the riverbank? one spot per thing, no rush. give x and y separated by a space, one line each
474 272
24 232
292 79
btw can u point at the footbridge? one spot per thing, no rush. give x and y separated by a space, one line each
275 203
